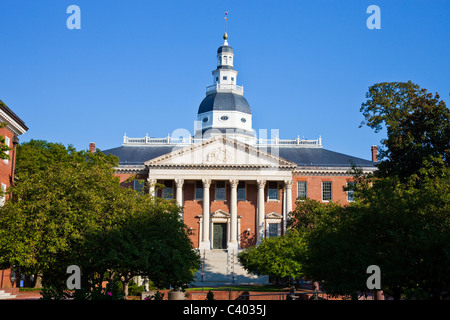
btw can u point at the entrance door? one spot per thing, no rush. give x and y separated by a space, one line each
220 236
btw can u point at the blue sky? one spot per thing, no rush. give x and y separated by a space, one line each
142 66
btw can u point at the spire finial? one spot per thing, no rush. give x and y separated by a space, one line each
226 18
225 35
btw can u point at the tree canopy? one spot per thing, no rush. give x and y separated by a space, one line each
400 219
69 209
417 127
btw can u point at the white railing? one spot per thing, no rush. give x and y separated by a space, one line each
191 140
225 87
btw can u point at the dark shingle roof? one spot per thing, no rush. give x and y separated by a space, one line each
224 48
321 157
303 157
137 155
10 113
224 101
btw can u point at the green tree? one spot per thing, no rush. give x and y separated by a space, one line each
308 212
69 208
400 220
152 242
279 257
417 127
406 230
42 228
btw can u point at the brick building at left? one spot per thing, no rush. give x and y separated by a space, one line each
15 126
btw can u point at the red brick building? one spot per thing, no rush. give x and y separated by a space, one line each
15 127
235 186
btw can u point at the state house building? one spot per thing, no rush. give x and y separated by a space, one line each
235 187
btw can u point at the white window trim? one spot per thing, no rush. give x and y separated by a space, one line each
278 224
215 191
3 196
171 194
331 191
195 190
268 192
7 142
273 218
306 190
245 191
139 185
348 191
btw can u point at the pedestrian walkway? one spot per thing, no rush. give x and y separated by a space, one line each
15 294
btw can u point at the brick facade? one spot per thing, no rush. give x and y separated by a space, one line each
247 209
15 127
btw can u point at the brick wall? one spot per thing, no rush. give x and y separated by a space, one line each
6 177
247 208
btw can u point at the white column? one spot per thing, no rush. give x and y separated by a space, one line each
233 215
179 183
239 230
151 186
288 184
260 220
206 243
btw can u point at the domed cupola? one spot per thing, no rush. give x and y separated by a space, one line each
225 110
225 48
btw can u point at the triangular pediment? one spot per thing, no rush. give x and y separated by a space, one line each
221 151
273 215
220 214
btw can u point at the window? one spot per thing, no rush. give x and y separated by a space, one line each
217 79
6 161
241 191
138 185
168 189
273 190
224 118
273 230
326 191
350 195
301 190
3 195
224 78
220 190
232 79
243 120
198 190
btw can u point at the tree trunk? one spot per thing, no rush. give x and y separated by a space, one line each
38 282
125 288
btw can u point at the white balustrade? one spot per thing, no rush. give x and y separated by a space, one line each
191 140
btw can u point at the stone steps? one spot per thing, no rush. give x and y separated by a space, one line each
221 267
6 295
